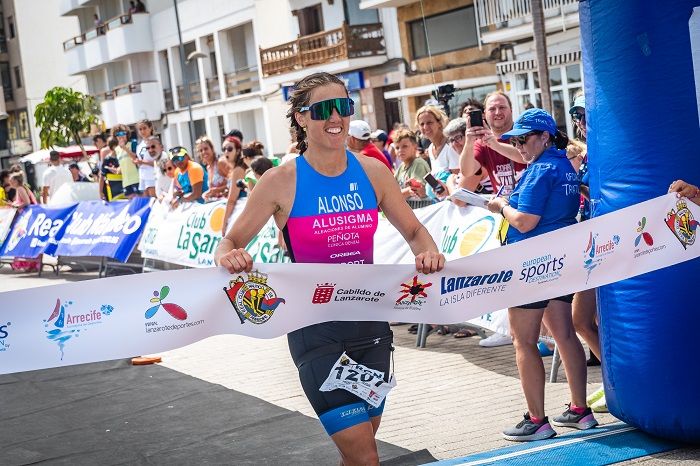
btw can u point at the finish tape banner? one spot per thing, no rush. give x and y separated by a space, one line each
124 316
189 234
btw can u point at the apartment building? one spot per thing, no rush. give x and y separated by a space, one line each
114 50
440 43
237 65
508 24
336 36
31 63
482 45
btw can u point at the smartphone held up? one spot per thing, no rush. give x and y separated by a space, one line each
476 118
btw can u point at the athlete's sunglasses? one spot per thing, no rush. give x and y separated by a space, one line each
324 109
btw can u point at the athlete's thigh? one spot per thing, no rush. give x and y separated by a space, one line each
357 444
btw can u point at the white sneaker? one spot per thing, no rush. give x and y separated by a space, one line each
497 339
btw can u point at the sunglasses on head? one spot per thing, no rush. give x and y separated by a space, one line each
576 116
324 109
523 139
120 133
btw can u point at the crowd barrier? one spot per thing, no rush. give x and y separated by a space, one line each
89 229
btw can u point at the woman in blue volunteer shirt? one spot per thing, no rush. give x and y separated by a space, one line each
545 199
325 186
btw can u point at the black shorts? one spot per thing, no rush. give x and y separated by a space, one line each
132 189
567 298
316 348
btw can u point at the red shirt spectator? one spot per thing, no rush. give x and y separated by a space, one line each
370 150
359 142
498 167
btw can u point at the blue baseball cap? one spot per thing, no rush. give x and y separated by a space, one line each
534 119
579 101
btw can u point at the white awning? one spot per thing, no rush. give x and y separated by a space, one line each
427 89
365 4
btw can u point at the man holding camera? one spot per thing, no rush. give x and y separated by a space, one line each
502 162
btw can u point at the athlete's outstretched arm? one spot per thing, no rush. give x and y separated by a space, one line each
390 199
262 203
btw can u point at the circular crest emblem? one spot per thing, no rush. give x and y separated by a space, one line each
253 299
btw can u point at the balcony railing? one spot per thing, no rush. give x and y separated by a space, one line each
110 24
323 47
500 13
124 89
213 90
195 94
243 81
168 98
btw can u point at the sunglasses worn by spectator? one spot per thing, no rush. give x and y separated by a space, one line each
169 169
456 138
515 140
324 109
153 147
228 149
578 116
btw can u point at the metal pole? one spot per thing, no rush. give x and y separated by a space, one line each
185 80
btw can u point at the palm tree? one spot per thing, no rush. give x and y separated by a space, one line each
541 52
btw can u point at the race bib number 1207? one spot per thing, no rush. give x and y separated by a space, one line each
359 380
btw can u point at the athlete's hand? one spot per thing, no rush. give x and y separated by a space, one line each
429 262
237 261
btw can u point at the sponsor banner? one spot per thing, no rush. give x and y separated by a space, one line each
187 235
37 231
7 214
73 323
104 229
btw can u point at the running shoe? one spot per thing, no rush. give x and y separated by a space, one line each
600 406
497 339
582 421
595 396
527 431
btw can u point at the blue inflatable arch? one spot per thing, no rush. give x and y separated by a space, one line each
643 133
